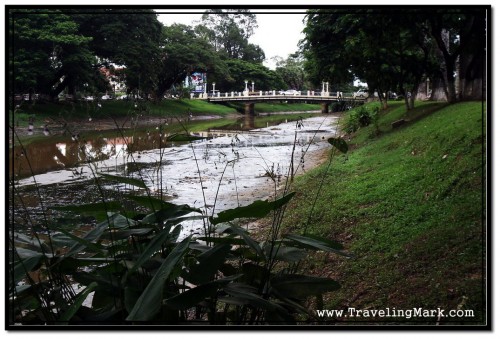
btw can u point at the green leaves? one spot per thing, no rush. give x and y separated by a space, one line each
316 243
71 311
135 265
257 209
125 180
149 303
209 263
168 212
339 144
195 295
154 245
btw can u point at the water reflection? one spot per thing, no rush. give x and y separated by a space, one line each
48 155
45 156
229 169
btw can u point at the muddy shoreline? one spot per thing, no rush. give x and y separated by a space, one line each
232 169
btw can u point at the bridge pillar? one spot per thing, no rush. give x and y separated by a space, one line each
324 107
249 108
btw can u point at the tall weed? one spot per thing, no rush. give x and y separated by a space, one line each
134 267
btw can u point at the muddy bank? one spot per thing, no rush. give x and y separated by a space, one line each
229 169
61 126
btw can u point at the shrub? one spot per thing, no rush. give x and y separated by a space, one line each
360 117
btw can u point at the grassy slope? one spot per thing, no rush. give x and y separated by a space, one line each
408 204
82 109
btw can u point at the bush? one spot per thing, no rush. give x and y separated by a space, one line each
360 117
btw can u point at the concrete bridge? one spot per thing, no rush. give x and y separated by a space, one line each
250 98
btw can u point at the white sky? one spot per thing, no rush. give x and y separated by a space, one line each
277 34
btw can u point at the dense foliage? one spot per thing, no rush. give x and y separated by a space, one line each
133 265
392 50
71 51
397 49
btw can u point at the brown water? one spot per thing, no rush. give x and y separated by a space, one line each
231 168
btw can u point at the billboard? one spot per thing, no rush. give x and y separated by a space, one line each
196 82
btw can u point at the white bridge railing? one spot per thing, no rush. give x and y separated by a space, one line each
268 95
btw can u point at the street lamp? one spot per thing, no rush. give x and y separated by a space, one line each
246 87
213 88
253 84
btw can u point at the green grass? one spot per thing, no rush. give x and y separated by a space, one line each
265 107
283 107
409 204
118 108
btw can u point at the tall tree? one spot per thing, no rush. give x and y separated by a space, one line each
48 52
365 51
126 37
292 71
240 70
229 31
183 52
459 32
391 49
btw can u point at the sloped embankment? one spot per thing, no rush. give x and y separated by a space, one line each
410 204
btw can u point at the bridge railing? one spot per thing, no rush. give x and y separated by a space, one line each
270 93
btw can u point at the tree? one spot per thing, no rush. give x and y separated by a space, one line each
183 52
292 71
459 33
253 53
229 31
324 55
240 70
125 37
47 52
394 49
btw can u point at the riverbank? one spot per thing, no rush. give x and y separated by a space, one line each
64 177
409 204
82 111
77 117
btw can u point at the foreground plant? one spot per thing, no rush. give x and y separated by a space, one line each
134 267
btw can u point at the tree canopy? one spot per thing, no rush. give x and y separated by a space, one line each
56 50
391 49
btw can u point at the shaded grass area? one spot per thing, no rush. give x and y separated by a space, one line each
409 204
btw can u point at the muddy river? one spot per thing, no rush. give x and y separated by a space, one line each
225 169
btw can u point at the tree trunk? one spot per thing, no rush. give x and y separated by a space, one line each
383 102
407 103
450 82
441 38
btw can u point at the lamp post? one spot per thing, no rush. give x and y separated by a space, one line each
246 85
213 88
327 88
253 84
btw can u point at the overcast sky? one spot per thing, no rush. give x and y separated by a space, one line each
277 34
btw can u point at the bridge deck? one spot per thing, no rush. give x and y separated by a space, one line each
277 97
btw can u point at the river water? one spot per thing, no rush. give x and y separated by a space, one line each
229 168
